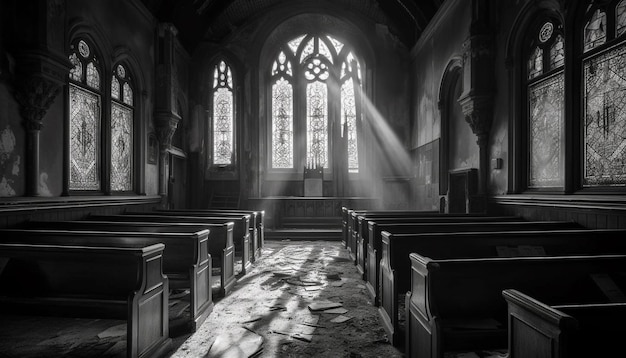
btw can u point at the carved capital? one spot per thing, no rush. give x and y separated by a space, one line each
35 94
478 112
166 125
478 46
39 78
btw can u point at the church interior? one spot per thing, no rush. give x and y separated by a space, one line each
462 163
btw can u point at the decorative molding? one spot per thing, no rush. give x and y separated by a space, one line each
166 125
35 94
478 112
39 78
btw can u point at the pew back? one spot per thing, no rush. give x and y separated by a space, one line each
123 281
186 260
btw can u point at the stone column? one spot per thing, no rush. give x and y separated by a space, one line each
166 117
477 98
41 70
35 93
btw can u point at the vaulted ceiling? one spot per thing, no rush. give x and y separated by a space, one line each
214 20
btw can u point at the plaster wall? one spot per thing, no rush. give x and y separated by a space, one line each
441 43
123 31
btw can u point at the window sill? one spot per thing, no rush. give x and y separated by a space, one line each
16 204
576 201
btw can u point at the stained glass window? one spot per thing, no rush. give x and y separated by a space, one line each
84 139
128 94
121 174
595 30
121 147
317 124
308 49
325 51
320 75
282 124
545 110
93 77
557 53
348 121
620 18
115 88
84 118
338 45
295 43
76 73
605 118
535 63
223 115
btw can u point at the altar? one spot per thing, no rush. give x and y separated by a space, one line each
279 208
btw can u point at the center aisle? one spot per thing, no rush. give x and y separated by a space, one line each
274 307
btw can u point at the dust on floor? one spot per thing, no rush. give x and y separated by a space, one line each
279 308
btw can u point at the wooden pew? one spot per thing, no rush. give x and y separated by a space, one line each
124 282
374 243
186 260
256 224
351 219
363 235
575 330
357 227
221 246
399 275
259 218
241 234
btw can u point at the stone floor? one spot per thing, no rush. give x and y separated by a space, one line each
272 303
270 313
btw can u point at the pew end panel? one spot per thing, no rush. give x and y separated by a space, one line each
557 331
530 320
464 296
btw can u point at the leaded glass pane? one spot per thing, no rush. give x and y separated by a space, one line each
546 32
605 119
535 63
115 88
350 59
324 51
222 126
338 45
121 147
84 134
83 49
348 115
595 30
620 18
93 76
76 73
546 122
557 53
295 43
317 123
128 94
308 50
282 124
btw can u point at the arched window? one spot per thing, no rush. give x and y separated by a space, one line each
604 94
315 81
545 81
85 96
223 115
121 175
